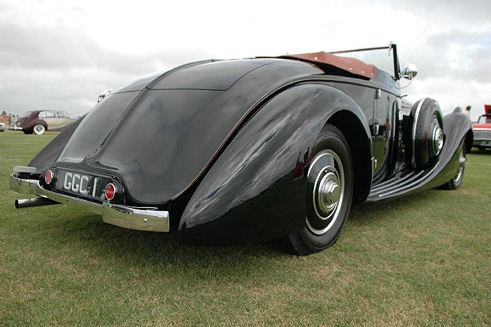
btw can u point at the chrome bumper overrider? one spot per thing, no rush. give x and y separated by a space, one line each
145 219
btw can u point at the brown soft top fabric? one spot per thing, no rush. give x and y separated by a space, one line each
352 65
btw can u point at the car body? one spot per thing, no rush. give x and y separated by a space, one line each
252 150
39 121
482 130
3 125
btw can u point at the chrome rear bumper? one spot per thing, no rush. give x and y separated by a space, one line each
146 219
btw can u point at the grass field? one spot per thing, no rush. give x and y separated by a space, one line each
423 260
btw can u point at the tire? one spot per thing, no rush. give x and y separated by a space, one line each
456 181
328 195
39 129
427 136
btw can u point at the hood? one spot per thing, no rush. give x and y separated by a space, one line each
21 121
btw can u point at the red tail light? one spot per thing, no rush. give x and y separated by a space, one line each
110 191
49 176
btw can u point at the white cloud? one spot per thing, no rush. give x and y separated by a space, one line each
60 53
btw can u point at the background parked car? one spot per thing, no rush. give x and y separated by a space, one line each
482 130
40 121
3 125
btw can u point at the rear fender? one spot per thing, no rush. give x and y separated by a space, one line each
255 191
47 156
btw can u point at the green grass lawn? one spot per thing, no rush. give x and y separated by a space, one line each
423 260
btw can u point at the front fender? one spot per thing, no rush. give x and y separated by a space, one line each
33 122
255 191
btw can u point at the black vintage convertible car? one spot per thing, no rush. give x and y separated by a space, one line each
252 150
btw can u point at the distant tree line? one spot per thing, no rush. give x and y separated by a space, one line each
8 116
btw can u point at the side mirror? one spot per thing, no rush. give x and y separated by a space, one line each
410 71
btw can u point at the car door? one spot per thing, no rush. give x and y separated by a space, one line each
56 120
49 117
384 132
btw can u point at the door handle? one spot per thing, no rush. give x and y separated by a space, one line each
375 129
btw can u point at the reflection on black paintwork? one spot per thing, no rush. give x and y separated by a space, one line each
263 159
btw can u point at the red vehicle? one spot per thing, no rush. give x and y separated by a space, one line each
482 130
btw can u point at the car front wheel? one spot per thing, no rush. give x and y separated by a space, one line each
329 194
39 129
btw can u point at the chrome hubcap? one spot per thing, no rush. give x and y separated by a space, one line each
461 167
437 139
326 173
328 196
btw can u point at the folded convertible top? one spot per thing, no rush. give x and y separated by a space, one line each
351 65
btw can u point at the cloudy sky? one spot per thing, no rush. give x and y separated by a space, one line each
63 54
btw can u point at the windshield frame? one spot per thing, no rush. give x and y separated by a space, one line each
391 47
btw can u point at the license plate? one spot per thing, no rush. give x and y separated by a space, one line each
85 185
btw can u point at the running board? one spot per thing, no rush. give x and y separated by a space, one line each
401 183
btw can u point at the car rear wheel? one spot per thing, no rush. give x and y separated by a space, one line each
329 194
39 129
456 181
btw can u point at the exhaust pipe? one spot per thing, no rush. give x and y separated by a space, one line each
34 202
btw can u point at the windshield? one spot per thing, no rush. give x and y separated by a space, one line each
382 57
484 120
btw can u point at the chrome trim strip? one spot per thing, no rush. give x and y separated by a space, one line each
68 200
25 169
23 186
397 185
408 186
146 219
413 132
399 178
132 218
